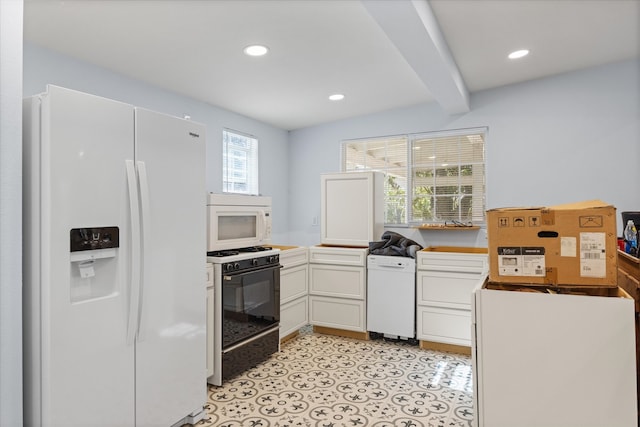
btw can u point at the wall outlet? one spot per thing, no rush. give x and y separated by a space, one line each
314 220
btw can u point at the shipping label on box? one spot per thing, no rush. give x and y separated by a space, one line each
560 246
593 255
521 261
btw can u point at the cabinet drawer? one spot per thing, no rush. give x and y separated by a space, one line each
445 325
338 256
446 289
293 257
339 313
452 261
293 316
293 283
336 280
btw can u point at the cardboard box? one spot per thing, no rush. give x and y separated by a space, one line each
564 245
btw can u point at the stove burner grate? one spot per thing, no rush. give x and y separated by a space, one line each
232 252
222 253
255 249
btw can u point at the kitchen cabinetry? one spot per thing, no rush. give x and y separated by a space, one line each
445 280
629 280
294 288
572 352
209 319
352 208
337 288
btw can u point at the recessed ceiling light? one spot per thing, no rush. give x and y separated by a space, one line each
518 54
256 50
336 97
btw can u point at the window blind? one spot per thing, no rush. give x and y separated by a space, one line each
239 163
431 177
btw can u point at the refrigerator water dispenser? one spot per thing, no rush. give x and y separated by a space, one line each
93 262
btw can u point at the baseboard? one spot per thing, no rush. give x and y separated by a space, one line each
289 337
449 348
341 333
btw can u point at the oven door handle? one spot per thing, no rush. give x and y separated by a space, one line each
253 270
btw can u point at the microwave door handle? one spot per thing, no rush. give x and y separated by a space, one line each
264 225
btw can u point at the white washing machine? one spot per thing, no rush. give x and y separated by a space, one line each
391 296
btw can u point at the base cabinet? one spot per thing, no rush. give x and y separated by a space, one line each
338 313
337 287
445 281
444 325
294 289
210 311
574 355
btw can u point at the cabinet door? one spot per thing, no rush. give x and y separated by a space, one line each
210 325
352 208
445 325
210 311
337 281
293 316
339 313
446 289
293 283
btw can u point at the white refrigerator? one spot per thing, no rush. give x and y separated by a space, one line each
114 264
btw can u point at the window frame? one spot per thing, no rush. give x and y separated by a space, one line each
251 166
477 185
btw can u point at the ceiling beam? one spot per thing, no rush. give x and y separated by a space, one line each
413 29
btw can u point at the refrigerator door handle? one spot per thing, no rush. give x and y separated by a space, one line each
134 281
145 232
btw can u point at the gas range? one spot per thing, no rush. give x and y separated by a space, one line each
245 314
244 258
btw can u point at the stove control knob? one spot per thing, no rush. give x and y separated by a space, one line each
272 259
236 266
228 267
254 262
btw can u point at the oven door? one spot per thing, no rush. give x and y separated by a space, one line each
232 227
250 304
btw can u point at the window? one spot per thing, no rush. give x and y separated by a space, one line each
239 163
432 177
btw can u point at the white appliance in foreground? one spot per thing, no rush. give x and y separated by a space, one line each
391 296
352 208
237 221
553 360
114 264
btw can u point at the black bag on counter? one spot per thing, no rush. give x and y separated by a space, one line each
394 244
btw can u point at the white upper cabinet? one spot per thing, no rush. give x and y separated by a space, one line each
352 206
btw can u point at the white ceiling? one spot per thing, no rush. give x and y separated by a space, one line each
381 54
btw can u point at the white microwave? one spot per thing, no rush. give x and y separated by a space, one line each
237 221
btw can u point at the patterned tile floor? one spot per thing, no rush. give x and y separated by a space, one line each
327 381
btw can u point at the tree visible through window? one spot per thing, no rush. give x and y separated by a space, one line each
239 163
430 178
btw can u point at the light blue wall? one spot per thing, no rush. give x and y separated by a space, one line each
565 138
560 139
43 66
